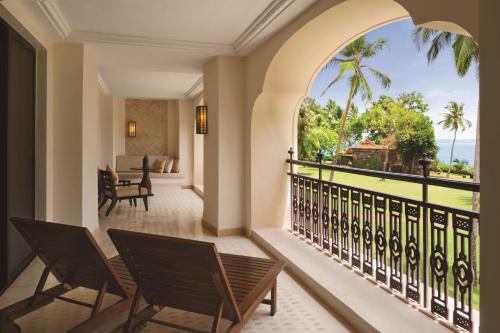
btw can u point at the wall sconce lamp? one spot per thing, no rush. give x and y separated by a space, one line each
201 119
132 129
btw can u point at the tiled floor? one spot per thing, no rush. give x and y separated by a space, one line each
176 212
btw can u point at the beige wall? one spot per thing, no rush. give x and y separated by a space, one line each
151 126
490 182
119 127
223 145
186 139
173 128
75 135
198 149
105 130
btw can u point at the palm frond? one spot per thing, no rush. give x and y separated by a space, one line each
440 40
344 67
422 36
384 80
366 91
466 52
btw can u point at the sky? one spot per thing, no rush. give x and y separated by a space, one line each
409 71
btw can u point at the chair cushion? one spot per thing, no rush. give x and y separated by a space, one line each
127 191
116 179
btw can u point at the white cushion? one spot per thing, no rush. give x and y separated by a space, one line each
168 167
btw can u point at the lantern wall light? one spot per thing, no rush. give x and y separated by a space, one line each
201 119
132 129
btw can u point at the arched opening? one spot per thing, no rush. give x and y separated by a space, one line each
288 80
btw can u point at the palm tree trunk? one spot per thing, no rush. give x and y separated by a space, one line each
341 129
451 155
475 203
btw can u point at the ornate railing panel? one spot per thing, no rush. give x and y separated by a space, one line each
416 248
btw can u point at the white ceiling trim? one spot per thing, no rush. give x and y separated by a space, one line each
55 17
107 38
101 85
195 89
268 15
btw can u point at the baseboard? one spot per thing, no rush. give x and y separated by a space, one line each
187 187
223 232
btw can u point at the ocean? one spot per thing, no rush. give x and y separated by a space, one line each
464 150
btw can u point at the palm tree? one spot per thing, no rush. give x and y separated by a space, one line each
466 53
350 60
454 120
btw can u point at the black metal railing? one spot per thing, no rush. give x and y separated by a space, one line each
417 249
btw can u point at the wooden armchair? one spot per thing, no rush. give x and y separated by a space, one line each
123 191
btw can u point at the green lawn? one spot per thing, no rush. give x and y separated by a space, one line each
438 195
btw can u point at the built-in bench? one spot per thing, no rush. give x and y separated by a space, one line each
126 163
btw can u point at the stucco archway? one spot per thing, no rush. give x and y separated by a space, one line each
288 79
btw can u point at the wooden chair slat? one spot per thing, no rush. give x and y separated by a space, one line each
192 276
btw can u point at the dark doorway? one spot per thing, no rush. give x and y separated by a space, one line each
17 148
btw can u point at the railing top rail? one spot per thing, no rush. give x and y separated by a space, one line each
455 184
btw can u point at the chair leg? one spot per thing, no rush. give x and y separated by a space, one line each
217 318
274 297
111 206
145 199
103 202
130 202
135 202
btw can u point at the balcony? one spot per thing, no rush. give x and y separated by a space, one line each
417 250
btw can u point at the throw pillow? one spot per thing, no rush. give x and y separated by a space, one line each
116 179
175 166
159 165
168 168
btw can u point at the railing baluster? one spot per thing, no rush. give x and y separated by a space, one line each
355 229
439 262
381 239
315 211
412 251
295 203
344 223
367 234
462 271
301 206
325 216
395 245
335 220
308 195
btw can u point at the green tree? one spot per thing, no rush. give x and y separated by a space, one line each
466 54
350 60
453 121
320 138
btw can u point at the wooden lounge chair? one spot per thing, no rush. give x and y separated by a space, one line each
123 191
72 255
192 276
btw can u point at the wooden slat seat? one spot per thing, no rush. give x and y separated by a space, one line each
191 275
72 255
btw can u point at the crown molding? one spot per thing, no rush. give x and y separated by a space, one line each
268 15
108 38
55 17
195 89
101 85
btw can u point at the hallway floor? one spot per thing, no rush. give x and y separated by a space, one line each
175 212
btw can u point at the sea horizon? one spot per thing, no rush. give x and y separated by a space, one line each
464 150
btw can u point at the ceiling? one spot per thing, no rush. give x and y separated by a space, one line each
157 48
